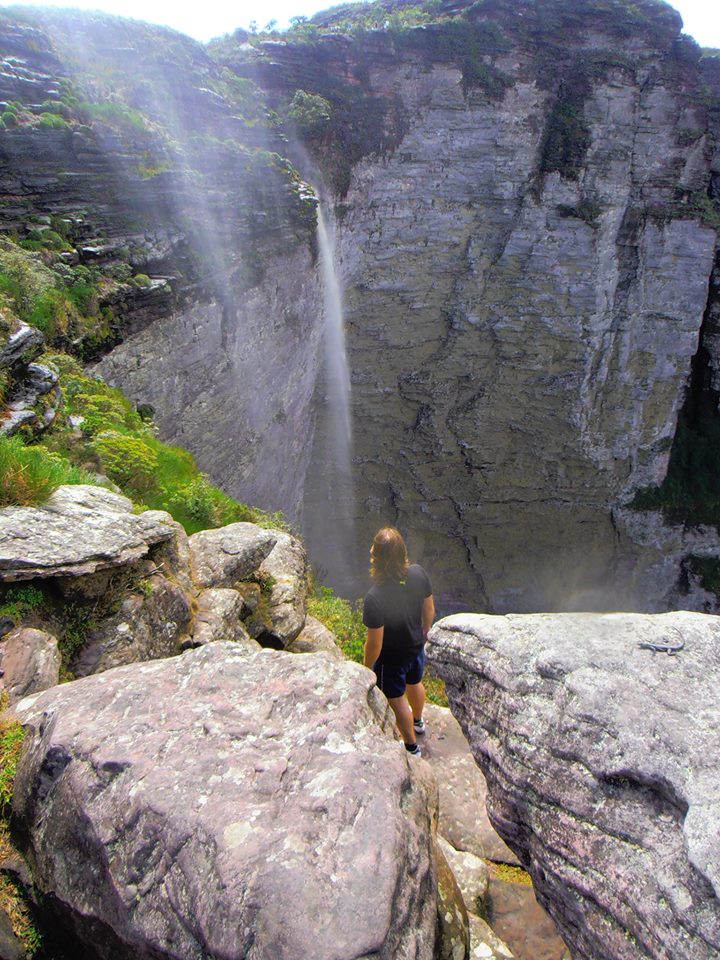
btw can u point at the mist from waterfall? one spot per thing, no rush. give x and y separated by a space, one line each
328 517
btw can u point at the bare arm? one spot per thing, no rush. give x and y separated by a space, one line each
428 613
373 645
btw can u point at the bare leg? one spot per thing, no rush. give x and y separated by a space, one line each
403 717
415 692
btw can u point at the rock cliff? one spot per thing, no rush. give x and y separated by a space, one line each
152 164
601 762
527 244
525 203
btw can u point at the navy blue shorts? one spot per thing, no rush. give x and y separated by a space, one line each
392 678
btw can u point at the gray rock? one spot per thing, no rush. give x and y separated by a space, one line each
151 623
288 566
601 759
218 618
81 529
10 947
22 346
316 638
484 944
222 557
454 930
470 871
229 803
29 661
463 818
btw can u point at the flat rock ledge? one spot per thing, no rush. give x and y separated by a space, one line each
80 530
602 761
228 803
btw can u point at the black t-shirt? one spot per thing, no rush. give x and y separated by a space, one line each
397 606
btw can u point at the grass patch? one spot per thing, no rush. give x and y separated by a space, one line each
13 901
29 475
510 874
342 618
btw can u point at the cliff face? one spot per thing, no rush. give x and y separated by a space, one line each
526 231
526 273
164 170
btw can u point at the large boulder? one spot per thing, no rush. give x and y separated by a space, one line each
228 803
601 756
285 568
80 530
223 557
29 662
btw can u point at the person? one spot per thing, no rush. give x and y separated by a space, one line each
398 612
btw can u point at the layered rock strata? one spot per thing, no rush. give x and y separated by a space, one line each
228 803
600 755
530 256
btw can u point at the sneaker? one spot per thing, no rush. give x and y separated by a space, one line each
413 749
419 726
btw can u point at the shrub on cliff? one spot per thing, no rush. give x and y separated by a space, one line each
30 474
127 460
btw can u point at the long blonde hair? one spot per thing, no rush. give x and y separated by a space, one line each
388 555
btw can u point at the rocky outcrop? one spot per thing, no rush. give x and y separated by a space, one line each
316 638
222 557
600 756
81 530
152 622
229 802
286 570
29 662
219 617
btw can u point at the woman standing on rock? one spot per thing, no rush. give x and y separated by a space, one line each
398 612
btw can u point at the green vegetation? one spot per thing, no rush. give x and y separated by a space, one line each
342 618
12 735
510 874
20 602
690 492
30 474
567 137
63 302
13 901
707 570
310 113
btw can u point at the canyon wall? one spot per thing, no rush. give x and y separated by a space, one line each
526 271
525 202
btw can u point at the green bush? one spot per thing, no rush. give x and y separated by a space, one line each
23 277
53 121
21 601
9 118
309 112
127 460
30 474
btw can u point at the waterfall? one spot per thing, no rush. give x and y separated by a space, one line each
337 374
328 509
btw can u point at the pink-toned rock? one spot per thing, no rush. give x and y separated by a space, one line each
222 557
29 661
316 638
463 791
218 618
229 803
